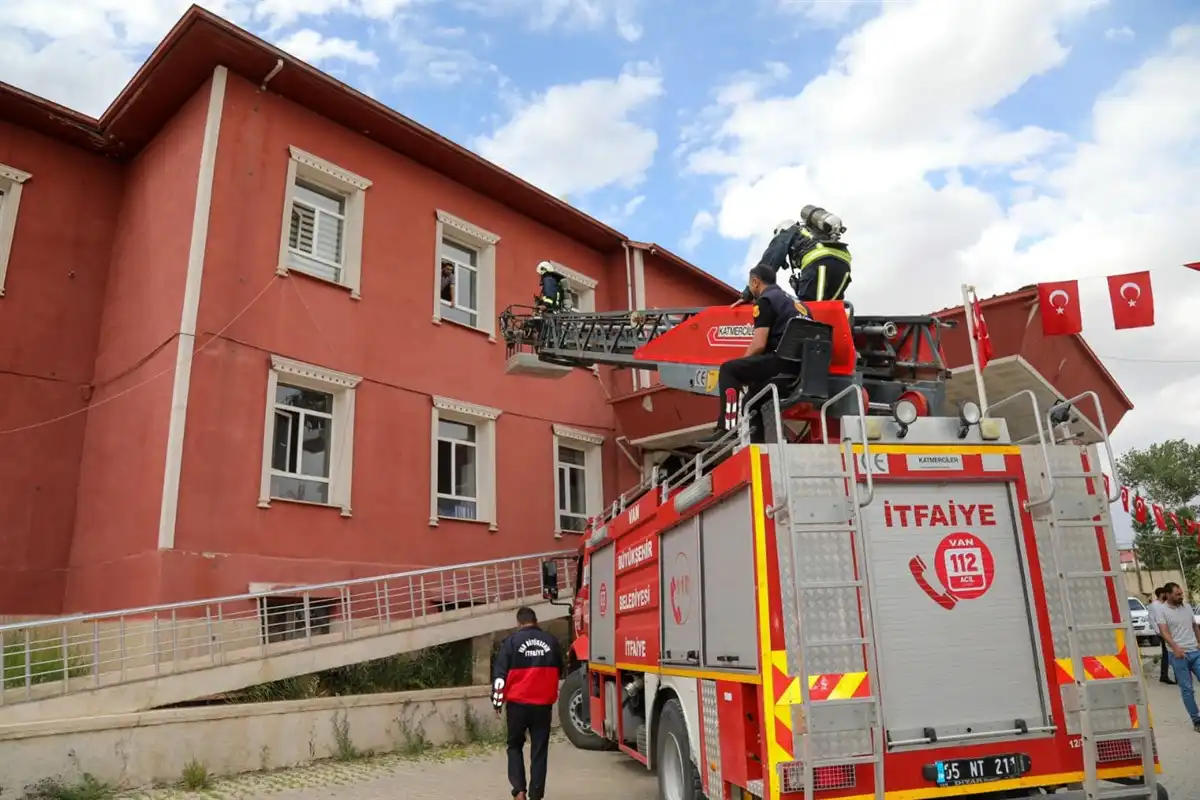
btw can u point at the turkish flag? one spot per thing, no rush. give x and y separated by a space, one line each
1175 521
1132 300
1125 498
1059 304
1159 518
983 342
1195 266
1139 509
1192 527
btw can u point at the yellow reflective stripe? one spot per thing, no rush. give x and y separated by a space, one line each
842 286
820 251
820 282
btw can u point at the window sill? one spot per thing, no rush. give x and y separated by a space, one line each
285 271
440 320
346 512
492 527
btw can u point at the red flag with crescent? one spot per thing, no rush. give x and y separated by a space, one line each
1059 303
1132 300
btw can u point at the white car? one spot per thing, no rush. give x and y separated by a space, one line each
1146 635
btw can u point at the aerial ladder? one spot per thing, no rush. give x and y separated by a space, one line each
825 350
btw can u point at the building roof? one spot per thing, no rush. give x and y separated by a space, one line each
1028 294
201 41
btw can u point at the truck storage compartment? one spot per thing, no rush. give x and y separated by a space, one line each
956 634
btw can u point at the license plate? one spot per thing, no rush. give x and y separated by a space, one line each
959 771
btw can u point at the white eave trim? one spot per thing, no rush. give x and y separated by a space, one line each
464 408
332 170
575 276
13 174
287 366
486 238
575 434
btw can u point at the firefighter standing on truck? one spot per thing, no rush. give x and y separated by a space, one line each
525 676
820 263
773 308
552 288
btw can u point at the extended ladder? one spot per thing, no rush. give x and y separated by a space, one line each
838 732
581 340
1111 696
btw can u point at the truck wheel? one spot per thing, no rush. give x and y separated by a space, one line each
574 715
678 778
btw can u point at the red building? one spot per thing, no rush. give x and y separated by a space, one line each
225 357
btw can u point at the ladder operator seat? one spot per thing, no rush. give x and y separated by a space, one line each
814 348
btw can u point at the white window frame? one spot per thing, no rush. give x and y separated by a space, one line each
581 284
484 419
592 445
12 180
312 169
320 379
484 244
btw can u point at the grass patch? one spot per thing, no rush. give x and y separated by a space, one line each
88 787
195 776
45 661
437 667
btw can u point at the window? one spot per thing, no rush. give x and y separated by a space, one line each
308 443
283 617
465 285
323 221
578 484
460 283
12 181
581 290
463 458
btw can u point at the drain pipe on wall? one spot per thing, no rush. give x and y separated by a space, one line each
629 292
274 71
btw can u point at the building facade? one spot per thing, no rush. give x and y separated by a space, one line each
248 337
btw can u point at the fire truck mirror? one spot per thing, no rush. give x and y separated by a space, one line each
550 580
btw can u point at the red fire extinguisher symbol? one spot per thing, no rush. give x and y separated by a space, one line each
964 566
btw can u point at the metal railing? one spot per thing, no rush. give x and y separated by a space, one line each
58 656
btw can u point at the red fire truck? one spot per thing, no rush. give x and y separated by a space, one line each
859 595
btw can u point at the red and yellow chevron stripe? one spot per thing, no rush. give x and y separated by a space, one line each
838 686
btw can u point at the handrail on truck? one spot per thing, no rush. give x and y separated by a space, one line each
1041 434
862 423
1108 451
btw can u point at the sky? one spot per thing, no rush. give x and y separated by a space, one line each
992 142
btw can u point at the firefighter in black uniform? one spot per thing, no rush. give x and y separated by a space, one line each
525 675
820 263
552 288
773 307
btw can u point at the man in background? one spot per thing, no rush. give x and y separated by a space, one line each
528 667
1177 624
1164 662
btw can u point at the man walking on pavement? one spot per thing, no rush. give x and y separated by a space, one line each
1164 662
526 676
1177 624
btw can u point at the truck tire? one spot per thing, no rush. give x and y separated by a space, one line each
573 714
678 778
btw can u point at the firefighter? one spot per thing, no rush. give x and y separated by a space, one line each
820 263
552 288
773 307
525 676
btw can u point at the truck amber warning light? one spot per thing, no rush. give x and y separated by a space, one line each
964 565
949 515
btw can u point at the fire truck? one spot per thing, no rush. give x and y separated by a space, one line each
858 593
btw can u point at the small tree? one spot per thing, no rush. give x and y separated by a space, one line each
1166 474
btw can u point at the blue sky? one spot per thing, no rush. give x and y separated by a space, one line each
996 142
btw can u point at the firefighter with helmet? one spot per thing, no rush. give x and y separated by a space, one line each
812 249
552 288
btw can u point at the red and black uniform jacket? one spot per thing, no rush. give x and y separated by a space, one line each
527 669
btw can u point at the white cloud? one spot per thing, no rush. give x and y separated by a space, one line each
900 136
1124 33
542 15
826 13
702 223
311 46
576 138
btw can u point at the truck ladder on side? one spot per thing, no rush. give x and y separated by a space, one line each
1107 706
581 340
828 613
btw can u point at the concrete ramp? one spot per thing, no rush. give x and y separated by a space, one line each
138 659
